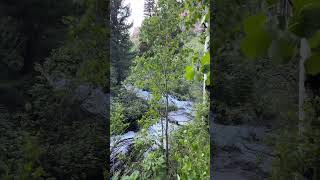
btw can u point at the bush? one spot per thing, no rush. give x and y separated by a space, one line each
118 125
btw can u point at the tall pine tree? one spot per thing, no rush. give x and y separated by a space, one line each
120 43
149 7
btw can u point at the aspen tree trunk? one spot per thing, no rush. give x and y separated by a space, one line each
167 135
305 52
162 130
204 88
166 112
301 94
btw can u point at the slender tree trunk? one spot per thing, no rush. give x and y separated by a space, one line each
204 88
167 121
166 111
301 94
167 135
305 52
162 130
204 93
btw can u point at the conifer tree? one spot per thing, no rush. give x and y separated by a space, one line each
120 41
149 7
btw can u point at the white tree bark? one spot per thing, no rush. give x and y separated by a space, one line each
204 88
305 53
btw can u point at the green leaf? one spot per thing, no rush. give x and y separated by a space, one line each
204 17
189 75
257 41
254 23
312 64
300 5
280 51
272 2
205 69
205 59
315 40
256 44
208 80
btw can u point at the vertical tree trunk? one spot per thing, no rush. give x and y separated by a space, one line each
167 135
166 113
204 88
167 121
301 94
162 131
305 52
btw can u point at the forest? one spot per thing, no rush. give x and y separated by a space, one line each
53 89
220 89
160 78
265 89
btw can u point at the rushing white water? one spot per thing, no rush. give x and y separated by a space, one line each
120 141
120 144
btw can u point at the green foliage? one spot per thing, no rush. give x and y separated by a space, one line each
279 35
313 64
133 176
117 119
31 168
191 147
256 44
153 166
170 52
120 44
50 134
254 23
197 14
189 73
58 114
281 50
11 45
301 5
205 60
149 6
315 40
133 107
297 155
82 58
25 161
257 41
165 64
94 71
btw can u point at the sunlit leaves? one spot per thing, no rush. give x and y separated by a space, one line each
208 81
197 12
118 124
189 75
205 59
313 64
190 151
